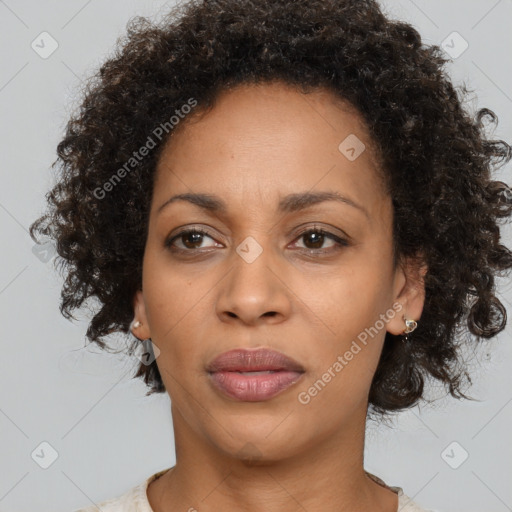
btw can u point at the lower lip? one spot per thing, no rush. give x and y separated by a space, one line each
254 388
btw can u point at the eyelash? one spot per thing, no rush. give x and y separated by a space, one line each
339 241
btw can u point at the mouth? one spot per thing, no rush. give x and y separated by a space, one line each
253 375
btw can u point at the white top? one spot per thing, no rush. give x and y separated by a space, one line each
136 499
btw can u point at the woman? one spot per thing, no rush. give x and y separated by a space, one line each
287 206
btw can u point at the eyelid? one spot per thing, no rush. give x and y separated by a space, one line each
326 228
340 241
185 230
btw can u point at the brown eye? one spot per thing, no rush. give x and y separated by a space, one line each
314 241
190 240
315 238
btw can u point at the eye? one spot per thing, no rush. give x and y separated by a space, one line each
315 238
190 240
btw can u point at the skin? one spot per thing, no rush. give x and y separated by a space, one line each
258 144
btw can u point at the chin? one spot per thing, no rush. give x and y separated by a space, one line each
262 445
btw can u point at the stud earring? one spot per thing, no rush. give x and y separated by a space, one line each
410 325
136 324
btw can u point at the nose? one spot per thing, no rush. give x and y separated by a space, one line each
255 289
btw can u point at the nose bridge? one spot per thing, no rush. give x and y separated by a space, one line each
253 288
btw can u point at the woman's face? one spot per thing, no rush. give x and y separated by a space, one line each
265 277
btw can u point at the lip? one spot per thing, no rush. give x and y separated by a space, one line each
247 360
281 373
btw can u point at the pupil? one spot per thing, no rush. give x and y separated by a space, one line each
319 238
191 235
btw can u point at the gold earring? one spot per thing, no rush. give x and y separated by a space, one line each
410 325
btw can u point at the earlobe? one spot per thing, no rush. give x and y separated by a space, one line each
410 294
139 326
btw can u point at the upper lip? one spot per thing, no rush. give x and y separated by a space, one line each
246 360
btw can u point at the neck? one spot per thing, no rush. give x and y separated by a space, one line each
327 476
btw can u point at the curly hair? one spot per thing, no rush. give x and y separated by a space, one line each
436 157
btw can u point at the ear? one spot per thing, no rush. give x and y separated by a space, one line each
408 293
142 332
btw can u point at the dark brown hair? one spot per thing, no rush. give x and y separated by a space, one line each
437 158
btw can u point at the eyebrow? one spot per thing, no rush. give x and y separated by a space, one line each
288 204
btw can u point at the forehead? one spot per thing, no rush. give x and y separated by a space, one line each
273 140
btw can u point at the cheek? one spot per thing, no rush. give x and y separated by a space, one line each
347 300
169 293
344 361
345 356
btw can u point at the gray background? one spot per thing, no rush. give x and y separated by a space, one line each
108 436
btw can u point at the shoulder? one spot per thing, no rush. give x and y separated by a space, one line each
133 500
130 501
405 504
